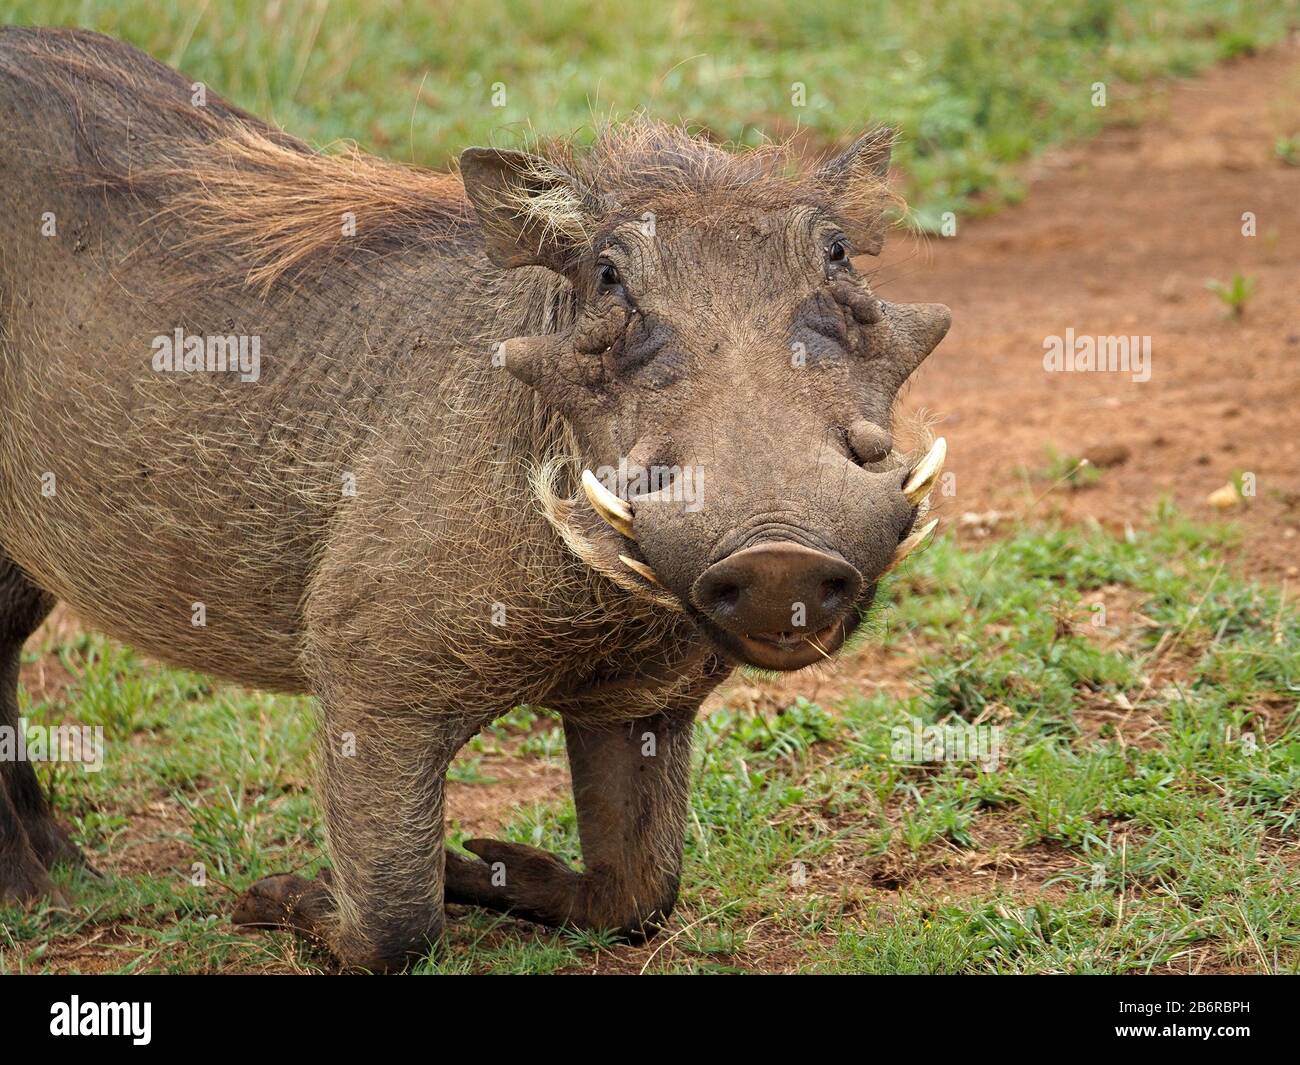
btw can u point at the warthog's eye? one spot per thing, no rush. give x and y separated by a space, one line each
837 252
608 276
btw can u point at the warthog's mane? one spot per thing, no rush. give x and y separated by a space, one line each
278 205
640 163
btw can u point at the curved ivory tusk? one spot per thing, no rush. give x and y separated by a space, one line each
616 512
910 544
926 472
640 568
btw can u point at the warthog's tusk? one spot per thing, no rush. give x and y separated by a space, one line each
640 568
607 504
910 544
925 473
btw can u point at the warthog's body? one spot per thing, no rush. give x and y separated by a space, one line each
362 521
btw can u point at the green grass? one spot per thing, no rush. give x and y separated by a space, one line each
1065 471
1234 294
1142 815
975 85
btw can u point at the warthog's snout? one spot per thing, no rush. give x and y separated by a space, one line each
784 604
783 595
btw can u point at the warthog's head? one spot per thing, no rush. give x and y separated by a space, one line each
729 376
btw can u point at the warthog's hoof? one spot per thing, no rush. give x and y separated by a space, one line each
25 882
53 846
516 879
289 902
535 885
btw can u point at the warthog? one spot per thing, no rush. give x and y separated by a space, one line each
391 512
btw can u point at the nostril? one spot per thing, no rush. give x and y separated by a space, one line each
726 596
835 593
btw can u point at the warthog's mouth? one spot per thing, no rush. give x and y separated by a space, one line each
780 651
615 558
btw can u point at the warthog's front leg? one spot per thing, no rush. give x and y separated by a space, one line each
31 842
381 906
630 784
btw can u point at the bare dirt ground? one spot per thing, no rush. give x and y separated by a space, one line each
1116 237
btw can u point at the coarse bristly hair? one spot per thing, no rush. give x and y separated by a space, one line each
279 206
567 192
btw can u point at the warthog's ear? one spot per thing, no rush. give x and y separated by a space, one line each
857 182
533 212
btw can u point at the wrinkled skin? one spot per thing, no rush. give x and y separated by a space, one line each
452 581
737 340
